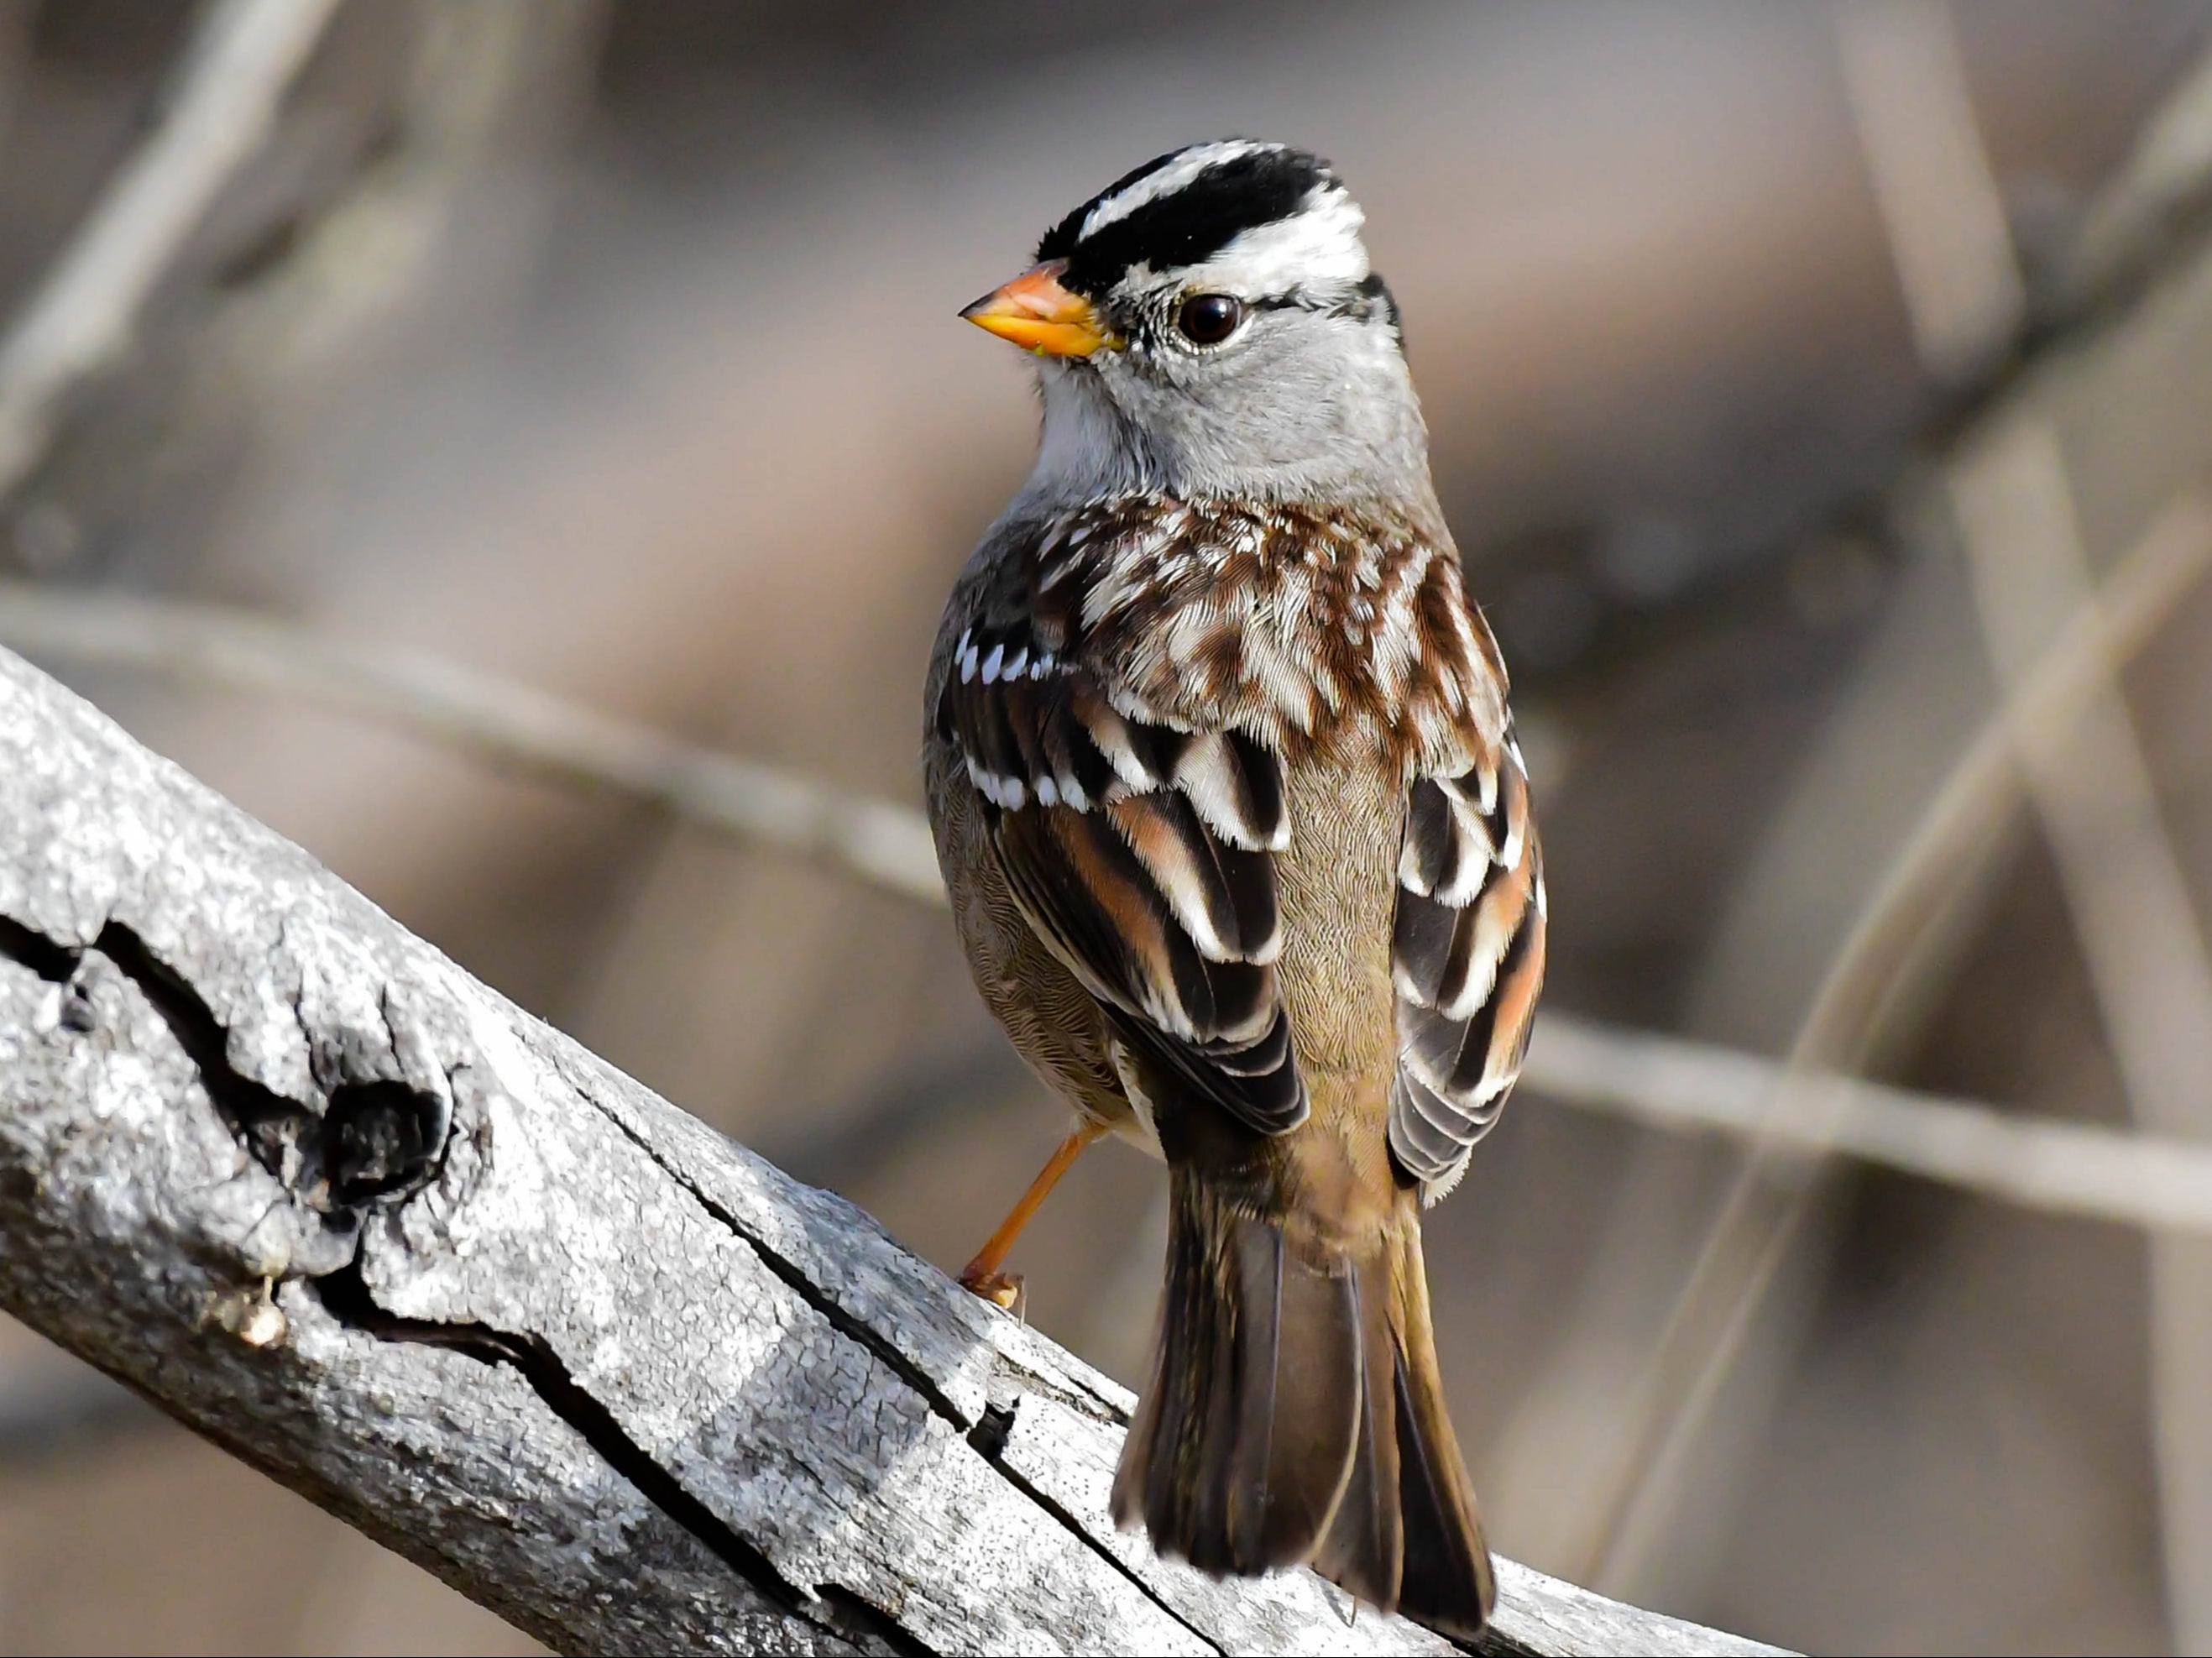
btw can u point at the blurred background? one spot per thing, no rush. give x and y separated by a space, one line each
1796 375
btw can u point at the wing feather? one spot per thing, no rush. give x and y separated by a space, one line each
1467 961
1141 853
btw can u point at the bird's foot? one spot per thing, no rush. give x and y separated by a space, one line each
1002 1290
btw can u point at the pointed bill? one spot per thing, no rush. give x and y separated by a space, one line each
1037 313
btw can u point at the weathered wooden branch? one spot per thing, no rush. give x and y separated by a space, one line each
298 1180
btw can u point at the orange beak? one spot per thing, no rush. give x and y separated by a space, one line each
1037 313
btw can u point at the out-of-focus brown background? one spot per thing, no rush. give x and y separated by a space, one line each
612 347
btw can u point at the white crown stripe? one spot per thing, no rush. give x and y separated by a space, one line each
1318 246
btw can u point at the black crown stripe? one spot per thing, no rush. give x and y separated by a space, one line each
1186 226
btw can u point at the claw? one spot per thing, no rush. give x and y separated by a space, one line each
1002 1290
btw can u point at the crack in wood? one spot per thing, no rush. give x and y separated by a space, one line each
372 1141
345 1294
55 963
840 1318
989 1440
375 1139
979 1434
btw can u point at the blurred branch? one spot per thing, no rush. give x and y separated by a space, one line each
1804 1108
293 1175
2065 1168
1961 282
2060 1167
514 724
2162 189
220 108
489 89
1984 790
2133 912
2090 777
1916 124
1913 113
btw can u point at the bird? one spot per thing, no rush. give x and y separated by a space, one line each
1226 793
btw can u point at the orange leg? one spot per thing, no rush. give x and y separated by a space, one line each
981 1274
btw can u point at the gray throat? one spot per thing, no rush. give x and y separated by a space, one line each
1353 433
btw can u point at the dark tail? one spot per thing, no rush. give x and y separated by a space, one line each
1295 1415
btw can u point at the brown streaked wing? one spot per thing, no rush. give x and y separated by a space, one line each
1466 959
1143 856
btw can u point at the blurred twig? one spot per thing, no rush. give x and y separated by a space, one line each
2059 1167
1939 201
2066 1167
489 88
1803 1109
2090 780
1984 790
2135 918
464 708
2164 186
220 108
1916 122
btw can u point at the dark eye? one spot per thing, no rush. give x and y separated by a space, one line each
1209 319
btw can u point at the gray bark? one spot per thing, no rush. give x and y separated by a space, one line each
296 1178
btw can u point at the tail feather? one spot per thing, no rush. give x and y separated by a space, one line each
1364 1546
1259 1256
1229 1465
1448 1579
1294 1415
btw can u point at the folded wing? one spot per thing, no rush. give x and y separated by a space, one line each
1467 960
1143 854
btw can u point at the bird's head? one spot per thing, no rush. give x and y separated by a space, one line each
1208 324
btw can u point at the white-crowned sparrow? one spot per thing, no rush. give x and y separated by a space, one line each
1238 839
